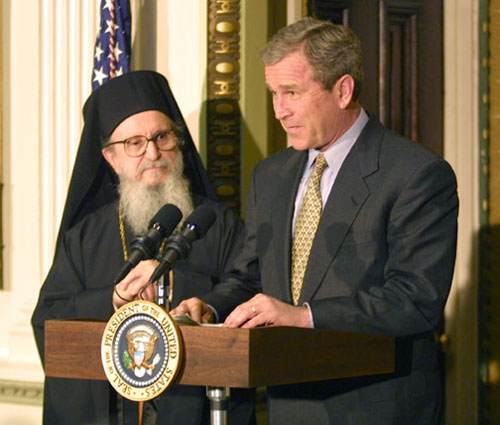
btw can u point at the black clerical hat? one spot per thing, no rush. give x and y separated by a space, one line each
93 183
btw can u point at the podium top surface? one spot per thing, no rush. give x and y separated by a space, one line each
226 357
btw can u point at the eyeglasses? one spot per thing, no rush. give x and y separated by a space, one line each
137 145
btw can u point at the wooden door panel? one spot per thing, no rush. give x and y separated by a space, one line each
403 61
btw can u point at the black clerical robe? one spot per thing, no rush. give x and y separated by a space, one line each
79 285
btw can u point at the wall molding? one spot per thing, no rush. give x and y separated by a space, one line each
461 150
17 392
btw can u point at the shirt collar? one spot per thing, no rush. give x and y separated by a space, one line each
341 147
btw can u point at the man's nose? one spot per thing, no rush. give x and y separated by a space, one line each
152 151
281 109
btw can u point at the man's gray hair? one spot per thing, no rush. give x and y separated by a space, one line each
331 50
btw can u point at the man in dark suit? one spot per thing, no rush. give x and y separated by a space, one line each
379 256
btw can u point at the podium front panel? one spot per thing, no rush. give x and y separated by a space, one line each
226 357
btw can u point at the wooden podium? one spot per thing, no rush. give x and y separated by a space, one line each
222 358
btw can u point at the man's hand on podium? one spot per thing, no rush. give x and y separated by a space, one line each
263 310
130 286
196 308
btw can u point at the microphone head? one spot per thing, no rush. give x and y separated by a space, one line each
200 220
166 219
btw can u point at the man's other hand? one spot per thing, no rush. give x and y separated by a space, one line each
263 310
129 288
196 308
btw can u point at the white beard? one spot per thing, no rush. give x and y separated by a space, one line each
141 202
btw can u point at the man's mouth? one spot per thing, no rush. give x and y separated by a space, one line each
291 128
151 166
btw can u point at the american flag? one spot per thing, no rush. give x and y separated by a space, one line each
112 46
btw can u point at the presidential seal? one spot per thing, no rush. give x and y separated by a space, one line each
141 350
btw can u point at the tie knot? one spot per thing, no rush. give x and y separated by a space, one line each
320 164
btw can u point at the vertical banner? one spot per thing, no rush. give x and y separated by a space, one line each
223 113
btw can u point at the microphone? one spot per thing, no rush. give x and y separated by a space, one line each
179 245
146 246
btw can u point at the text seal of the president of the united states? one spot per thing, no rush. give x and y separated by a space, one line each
141 350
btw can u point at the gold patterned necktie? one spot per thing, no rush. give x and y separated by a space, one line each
305 228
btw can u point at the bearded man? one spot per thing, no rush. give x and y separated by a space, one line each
135 155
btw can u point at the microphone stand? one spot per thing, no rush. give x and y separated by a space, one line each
165 290
164 299
165 281
180 248
161 298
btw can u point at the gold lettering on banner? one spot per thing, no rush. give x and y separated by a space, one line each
225 129
224 47
226 170
226 88
225 6
223 114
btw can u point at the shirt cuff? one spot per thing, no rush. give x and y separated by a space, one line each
214 311
310 314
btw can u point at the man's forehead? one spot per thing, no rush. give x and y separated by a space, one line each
145 121
289 71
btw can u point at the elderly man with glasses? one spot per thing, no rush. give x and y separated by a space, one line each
135 156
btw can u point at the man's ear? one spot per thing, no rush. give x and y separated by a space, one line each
345 90
110 157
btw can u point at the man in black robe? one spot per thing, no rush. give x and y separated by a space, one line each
134 131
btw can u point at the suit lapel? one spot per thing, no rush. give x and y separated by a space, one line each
346 198
288 180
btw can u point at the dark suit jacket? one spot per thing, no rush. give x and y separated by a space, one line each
79 286
381 262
